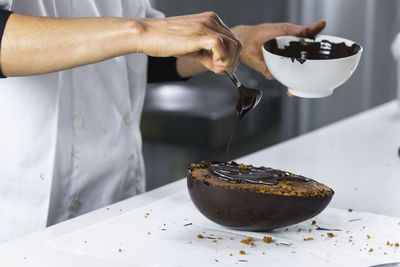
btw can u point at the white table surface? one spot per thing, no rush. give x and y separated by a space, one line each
358 157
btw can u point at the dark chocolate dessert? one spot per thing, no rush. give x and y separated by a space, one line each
254 198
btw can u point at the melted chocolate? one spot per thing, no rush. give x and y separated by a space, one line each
247 99
302 50
228 146
253 175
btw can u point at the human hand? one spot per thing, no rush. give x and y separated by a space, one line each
203 37
253 37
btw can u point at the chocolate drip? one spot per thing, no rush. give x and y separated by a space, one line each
228 146
253 175
247 99
302 50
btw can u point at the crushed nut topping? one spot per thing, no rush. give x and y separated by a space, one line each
267 239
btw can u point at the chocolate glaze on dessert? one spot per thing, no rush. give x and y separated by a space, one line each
302 50
250 174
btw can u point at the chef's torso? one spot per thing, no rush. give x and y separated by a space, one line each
70 141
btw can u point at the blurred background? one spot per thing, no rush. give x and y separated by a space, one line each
191 121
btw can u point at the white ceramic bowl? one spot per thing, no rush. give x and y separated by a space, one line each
315 77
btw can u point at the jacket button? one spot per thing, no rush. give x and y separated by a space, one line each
78 122
138 190
74 206
128 118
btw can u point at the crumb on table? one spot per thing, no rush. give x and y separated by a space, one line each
247 241
267 239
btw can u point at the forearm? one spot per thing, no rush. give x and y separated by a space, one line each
36 45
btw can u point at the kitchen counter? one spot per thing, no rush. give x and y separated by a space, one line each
357 157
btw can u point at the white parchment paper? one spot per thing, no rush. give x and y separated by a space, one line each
165 233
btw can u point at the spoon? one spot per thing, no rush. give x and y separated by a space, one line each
248 97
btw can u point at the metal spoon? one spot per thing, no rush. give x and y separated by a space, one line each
248 97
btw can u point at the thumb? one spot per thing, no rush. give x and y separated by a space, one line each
260 66
311 30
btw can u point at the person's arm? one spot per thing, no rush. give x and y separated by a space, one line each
4 15
253 37
37 45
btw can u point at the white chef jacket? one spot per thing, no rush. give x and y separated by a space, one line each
70 141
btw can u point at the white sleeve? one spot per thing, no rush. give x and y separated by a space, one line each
151 12
5 4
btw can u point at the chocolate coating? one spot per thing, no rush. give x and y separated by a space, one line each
254 175
249 210
302 50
